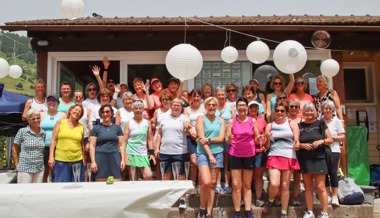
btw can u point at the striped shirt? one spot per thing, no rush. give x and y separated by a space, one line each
32 150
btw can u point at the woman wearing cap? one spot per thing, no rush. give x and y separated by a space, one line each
277 84
30 139
260 98
66 147
210 129
142 94
250 94
338 134
124 114
193 111
242 131
282 142
300 94
325 94
156 85
48 120
227 112
65 101
39 101
138 136
261 156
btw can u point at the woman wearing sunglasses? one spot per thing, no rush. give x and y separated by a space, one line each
277 84
31 140
300 94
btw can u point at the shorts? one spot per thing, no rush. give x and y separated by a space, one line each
46 155
260 159
313 165
108 165
226 146
138 160
63 171
191 145
246 163
203 159
168 159
282 163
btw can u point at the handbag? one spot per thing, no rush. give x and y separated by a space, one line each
327 148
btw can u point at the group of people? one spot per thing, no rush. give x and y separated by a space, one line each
285 132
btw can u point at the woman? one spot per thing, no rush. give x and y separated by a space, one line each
325 94
48 121
39 101
66 147
210 129
294 108
261 156
170 143
142 94
65 101
138 136
30 167
314 135
300 94
124 114
250 94
165 98
207 91
104 97
227 112
107 147
277 84
338 134
242 131
193 111
282 141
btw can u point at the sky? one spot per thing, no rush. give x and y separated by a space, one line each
18 10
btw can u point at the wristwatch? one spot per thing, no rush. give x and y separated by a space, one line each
209 140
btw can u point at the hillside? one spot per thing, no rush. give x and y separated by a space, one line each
14 49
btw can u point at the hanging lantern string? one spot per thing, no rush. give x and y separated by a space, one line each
20 55
229 39
225 42
2 34
186 26
14 52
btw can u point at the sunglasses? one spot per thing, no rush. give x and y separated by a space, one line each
277 84
35 118
300 83
231 90
52 100
78 97
294 106
165 99
281 98
280 111
106 112
93 89
111 81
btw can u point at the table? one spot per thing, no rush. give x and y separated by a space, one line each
95 200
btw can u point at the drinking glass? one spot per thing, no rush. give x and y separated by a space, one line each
187 169
132 170
175 169
89 171
76 172
162 169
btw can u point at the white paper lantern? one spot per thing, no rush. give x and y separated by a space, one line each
290 56
229 54
330 67
257 52
4 68
184 61
15 71
72 9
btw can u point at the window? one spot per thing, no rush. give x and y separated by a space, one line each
358 82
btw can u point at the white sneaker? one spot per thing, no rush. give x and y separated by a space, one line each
308 215
335 201
182 204
328 200
325 215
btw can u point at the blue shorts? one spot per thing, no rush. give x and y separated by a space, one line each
226 146
63 171
203 159
168 159
260 159
191 145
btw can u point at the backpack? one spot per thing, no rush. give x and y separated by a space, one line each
349 192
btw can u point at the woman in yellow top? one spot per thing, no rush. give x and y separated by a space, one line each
66 147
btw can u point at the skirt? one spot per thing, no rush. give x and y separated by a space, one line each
282 163
138 160
313 165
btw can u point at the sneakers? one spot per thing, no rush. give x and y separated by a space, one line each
248 214
201 213
227 189
209 216
328 200
277 202
260 203
308 215
284 215
218 189
294 202
237 214
325 215
335 201
182 204
267 207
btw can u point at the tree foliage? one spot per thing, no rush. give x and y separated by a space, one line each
9 47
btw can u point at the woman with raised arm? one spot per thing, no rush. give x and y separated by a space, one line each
142 94
210 129
38 102
124 114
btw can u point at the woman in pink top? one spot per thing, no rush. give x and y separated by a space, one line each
300 94
242 131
